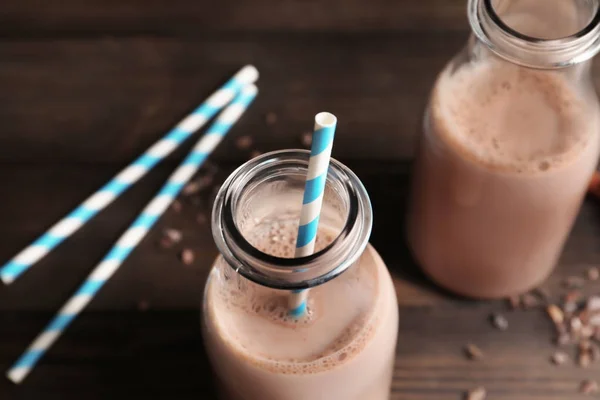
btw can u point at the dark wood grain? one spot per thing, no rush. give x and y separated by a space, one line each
191 17
87 85
107 100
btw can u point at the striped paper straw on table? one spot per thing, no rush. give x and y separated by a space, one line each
128 176
133 235
320 153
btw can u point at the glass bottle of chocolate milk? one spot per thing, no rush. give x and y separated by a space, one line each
343 347
511 139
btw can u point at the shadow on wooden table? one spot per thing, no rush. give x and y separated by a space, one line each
390 205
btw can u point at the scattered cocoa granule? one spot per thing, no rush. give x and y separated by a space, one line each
201 218
585 345
570 301
588 387
514 302
165 243
563 339
586 331
244 142
197 185
574 282
306 139
473 352
584 359
559 358
589 351
576 326
593 273
476 394
169 238
584 315
176 206
593 304
572 297
594 186
187 256
192 187
271 118
499 322
556 314
173 234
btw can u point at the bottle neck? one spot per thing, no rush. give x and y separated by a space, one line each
267 191
538 34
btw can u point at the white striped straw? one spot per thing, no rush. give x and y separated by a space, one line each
134 234
127 177
320 153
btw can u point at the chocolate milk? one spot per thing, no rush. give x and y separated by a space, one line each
503 165
343 348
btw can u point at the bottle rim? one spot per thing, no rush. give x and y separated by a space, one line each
291 273
530 51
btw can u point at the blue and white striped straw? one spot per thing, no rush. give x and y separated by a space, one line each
320 154
128 176
136 232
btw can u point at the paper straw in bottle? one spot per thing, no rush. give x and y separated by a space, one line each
320 154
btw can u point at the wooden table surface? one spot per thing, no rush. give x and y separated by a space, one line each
85 86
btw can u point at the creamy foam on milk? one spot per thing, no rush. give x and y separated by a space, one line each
511 118
339 321
342 348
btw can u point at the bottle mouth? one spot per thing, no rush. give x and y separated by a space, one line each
531 51
290 273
